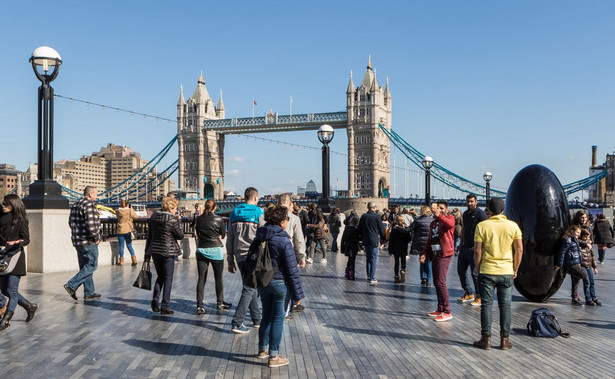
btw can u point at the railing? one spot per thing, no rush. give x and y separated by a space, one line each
109 227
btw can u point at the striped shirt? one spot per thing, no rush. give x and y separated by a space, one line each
84 222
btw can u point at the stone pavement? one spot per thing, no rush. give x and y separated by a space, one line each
348 330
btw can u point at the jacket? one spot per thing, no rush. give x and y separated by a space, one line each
371 229
470 220
162 235
209 230
603 232
446 228
84 222
125 218
420 233
350 240
334 223
317 227
282 257
10 232
243 222
398 241
569 253
587 255
295 231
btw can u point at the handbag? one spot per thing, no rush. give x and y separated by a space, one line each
9 260
144 279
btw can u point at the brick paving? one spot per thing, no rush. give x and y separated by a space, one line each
348 330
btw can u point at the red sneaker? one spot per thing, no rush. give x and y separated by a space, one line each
434 314
444 317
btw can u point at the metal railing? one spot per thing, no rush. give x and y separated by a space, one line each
109 227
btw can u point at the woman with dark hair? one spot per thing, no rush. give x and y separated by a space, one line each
161 245
318 225
14 235
125 218
420 233
210 231
286 278
581 219
603 236
570 259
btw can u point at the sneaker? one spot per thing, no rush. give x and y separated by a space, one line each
597 302
240 329
288 317
444 317
423 282
200 311
434 314
277 361
476 301
467 297
601 262
70 291
224 306
309 260
590 303
298 308
372 282
93 296
263 354
324 260
576 302
256 324
166 311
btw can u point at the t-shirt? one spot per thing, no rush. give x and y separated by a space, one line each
497 235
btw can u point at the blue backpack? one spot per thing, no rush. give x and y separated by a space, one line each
543 323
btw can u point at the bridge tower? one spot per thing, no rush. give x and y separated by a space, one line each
201 153
369 149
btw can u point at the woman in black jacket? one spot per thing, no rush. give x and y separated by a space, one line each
209 230
161 245
14 235
420 233
603 236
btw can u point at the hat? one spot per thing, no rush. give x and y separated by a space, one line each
496 205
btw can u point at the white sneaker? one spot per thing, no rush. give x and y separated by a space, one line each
309 260
324 260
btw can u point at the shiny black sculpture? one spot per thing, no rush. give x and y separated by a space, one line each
537 202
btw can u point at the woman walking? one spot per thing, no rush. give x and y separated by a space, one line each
318 225
125 218
210 231
161 246
603 236
14 235
286 278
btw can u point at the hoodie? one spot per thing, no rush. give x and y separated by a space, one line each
243 222
282 257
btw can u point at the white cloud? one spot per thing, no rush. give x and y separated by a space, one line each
233 173
239 159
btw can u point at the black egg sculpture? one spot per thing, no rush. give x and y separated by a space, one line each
537 202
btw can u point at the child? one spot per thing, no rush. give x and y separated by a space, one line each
398 246
589 264
350 246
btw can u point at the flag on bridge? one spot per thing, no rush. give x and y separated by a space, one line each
254 102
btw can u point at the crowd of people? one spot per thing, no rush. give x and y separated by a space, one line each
488 246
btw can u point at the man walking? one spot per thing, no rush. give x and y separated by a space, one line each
371 231
498 249
243 222
471 217
85 235
440 246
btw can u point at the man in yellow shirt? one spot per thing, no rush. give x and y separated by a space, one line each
498 248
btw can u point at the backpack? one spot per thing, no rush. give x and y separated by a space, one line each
543 323
259 268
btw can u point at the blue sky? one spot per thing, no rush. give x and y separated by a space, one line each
477 85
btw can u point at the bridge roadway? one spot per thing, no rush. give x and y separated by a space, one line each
348 330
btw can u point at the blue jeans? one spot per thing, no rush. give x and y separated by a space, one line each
592 283
248 299
270 332
165 267
465 260
425 269
128 238
371 261
9 284
88 263
488 285
334 243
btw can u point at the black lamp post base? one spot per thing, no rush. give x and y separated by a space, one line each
326 204
45 195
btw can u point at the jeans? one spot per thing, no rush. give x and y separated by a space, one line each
601 253
371 261
128 239
270 332
88 263
425 270
334 243
202 267
457 242
9 285
578 273
488 284
465 260
592 283
165 266
440 271
248 299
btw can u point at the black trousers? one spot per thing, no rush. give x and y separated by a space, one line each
165 266
202 267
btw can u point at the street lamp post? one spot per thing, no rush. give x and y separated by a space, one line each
325 136
487 176
427 165
45 192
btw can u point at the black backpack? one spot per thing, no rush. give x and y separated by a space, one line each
543 323
259 268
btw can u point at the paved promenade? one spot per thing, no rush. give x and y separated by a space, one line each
348 330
